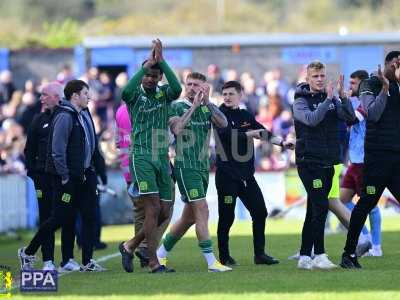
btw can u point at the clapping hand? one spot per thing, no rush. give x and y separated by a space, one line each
382 78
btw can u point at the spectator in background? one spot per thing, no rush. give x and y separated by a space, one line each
7 87
105 98
65 74
10 109
120 81
30 105
215 78
12 142
250 98
231 75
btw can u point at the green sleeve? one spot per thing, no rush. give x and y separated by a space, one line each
173 110
174 89
129 93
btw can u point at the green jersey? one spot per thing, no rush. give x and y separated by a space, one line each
148 111
192 145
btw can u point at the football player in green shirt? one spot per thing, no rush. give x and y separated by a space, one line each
190 121
147 104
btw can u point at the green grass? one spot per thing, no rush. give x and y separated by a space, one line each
378 279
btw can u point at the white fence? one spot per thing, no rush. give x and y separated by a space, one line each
13 204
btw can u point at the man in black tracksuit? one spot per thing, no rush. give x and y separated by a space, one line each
380 98
35 156
71 153
235 174
317 113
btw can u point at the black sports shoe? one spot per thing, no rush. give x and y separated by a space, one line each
265 259
162 269
100 246
363 248
126 258
141 253
229 261
349 261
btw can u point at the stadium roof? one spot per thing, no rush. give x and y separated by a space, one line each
224 40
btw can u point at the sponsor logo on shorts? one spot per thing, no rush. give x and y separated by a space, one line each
317 183
39 193
193 193
66 198
371 190
143 186
228 199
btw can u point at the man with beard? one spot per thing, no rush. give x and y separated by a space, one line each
380 98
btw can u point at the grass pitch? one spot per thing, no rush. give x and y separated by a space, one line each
377 280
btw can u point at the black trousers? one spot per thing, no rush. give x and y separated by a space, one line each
98 225
250 194
381 170
318 182
45 195
64 214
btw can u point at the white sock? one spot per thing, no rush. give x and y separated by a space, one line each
210 258
376 247
162 252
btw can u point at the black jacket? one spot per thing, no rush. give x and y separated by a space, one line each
36 143
71 162
316 121
235 151
383 123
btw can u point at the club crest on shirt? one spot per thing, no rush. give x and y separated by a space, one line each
159 95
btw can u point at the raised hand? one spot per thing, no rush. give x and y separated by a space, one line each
158 51
205 88
397 72
329 90
198 99
151 61
382 78
340 86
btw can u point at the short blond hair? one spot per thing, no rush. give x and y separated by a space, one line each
315 65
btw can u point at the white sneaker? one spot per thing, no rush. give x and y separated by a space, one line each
92 266
218 267
70 266
49 266
321 261
295 256
374 252
26 261
305 263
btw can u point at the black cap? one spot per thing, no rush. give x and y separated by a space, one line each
391 55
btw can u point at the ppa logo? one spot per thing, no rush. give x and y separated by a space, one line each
6 281
39 281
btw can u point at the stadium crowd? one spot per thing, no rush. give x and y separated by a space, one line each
269 99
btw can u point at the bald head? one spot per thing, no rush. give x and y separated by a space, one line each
52 93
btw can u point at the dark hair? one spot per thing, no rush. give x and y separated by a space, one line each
196 75
154 67
360 74
233 84
74 86
391 55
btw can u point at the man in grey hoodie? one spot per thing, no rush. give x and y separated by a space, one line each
71 154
